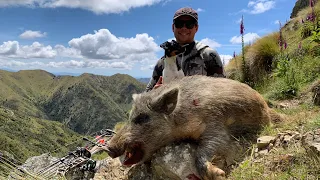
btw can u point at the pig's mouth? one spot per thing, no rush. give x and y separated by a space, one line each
133 154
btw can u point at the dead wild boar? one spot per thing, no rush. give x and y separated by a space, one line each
205 109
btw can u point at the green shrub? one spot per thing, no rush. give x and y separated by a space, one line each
281 65
306 29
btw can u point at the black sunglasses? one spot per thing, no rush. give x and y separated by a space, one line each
189 24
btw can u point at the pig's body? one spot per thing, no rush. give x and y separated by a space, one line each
206 109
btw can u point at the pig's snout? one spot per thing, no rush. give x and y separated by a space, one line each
114 152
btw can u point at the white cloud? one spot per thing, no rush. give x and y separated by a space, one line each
200 10
147 67
9 48
210 42
32 34
104 45
260 6
71 64
17 64
249 37
67 52
225 58
99 50
36 50
96 6
89 64
29 3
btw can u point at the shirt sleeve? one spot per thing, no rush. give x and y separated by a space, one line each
157 72
213 63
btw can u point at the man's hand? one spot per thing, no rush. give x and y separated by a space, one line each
159 83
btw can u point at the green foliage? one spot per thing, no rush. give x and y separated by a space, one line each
282 63
314 123
315 37
283 89
315 51
293 72
306 29
100 155
315 34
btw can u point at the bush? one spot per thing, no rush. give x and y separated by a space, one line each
281 65
260 57
233 70
315 51
306 29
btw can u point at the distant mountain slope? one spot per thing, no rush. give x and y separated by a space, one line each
85 103
144 80
23 136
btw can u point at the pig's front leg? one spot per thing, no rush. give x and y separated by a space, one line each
214 141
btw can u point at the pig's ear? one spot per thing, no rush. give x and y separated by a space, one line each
166 102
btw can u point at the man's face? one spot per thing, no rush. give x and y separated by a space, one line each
184 29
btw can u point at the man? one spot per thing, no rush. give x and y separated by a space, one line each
197 59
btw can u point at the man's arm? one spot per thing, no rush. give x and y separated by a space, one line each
214 66
157 72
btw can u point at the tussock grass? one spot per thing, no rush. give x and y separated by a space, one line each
260 56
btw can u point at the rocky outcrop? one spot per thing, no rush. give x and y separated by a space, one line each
316 93
174 162
171 162
311 142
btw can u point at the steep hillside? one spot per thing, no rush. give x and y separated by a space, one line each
92 102
286 71
284 67
85 103
300 4
24 136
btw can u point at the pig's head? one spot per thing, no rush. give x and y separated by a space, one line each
149 127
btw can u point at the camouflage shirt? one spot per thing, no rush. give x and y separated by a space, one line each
198 59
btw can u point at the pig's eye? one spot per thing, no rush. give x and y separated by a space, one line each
141 118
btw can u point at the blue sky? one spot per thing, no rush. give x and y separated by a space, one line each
122 36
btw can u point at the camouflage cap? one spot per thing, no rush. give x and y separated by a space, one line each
186 11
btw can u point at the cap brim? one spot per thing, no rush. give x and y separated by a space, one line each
185 15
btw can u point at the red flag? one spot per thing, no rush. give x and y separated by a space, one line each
241 26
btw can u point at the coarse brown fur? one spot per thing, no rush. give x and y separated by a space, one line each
205 109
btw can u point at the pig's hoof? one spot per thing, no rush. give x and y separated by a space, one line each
214 173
